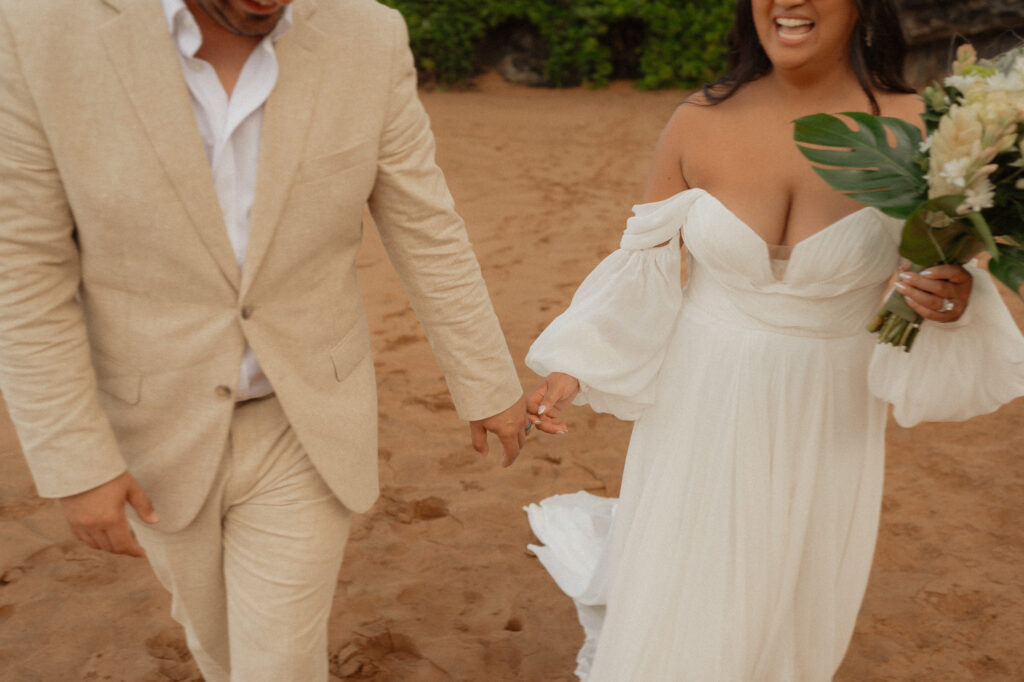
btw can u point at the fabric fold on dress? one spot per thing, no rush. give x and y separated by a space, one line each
955 370
614 334
574 531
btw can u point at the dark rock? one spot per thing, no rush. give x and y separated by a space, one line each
516 50
934 29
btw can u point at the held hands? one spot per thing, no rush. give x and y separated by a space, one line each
97 516
549 399
510 426
939 293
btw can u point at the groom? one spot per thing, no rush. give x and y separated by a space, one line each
182 185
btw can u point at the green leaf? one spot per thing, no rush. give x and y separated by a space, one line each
926 245
865 166
984 233
1009 269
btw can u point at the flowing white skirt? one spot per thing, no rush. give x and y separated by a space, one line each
743 537
740 546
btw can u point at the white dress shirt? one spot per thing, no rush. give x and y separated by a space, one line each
230 129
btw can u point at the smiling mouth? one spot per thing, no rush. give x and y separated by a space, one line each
262 5
793 28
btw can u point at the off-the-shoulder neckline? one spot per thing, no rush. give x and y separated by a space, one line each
703 192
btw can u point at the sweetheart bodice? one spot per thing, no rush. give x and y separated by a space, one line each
830 287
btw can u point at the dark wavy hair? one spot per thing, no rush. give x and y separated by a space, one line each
878 66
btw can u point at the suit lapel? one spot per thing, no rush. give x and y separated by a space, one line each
143 53
286 123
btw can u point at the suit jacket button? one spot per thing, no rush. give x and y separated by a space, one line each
223 391
247 312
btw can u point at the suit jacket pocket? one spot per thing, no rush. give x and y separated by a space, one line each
350 351
117 380
336 162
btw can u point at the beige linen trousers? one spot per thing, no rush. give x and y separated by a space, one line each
123 315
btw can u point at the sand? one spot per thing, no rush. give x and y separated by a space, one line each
437 584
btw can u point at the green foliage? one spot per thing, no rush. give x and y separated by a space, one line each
870 170
684 42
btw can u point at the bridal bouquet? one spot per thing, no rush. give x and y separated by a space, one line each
959 191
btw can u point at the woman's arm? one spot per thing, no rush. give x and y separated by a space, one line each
665 179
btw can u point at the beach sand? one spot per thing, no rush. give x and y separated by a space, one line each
437 583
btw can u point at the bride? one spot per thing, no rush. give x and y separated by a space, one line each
740 547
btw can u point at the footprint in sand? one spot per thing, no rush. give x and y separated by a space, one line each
406 511
74 564
172 656
25 505
435 402
378 654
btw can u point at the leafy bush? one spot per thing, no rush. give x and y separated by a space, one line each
680 44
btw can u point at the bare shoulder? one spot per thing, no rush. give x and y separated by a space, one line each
689 120
907 106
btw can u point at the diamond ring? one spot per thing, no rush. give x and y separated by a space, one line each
947 305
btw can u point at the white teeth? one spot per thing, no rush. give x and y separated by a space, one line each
785 21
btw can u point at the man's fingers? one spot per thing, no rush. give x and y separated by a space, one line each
478 434
140 501
510 444
122 541
99 540
86 537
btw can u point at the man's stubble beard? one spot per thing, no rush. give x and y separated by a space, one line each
216 11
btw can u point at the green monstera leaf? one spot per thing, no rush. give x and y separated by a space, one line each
860 162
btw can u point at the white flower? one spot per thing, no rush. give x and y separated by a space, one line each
963 83
1010 82
978 197
925 145
956 149
999 111
954 172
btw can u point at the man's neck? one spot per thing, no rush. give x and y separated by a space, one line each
226 51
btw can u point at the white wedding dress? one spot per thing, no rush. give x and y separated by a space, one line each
740 546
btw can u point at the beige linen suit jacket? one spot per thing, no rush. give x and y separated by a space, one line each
123 315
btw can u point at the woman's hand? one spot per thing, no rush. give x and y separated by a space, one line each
548 400
939 293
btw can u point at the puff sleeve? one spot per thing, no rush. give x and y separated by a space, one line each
957 370
614 335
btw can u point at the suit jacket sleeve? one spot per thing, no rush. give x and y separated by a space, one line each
46 373
427 243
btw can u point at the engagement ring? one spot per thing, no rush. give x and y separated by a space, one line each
947 305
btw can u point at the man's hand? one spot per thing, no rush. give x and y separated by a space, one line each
509 426
97 516
549 399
